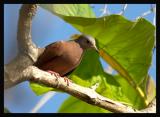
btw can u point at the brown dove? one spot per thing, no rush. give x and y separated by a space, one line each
62 57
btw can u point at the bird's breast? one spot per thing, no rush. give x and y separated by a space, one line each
69 59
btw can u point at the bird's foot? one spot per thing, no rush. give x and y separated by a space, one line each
55 73
58 76
67 80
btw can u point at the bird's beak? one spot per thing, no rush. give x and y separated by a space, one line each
96 49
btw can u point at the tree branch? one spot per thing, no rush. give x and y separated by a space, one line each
28 52
20 69
88 95
24 38
42 101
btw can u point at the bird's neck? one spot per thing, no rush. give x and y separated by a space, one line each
79 41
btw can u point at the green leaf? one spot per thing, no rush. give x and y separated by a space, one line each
125 45
40 89
79 10
88 74
73 105
124 41
111 86
130 95
118 37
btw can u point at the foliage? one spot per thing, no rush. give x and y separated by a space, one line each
123 44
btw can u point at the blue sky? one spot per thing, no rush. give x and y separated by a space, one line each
46 29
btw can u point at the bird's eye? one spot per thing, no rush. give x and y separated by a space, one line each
88 41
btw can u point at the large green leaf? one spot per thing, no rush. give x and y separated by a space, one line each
125 45
90 70
79 10
113 87
128 43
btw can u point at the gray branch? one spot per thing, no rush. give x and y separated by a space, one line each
24 38
88 95
28 52
21 69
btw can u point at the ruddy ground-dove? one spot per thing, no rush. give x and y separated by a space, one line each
62 57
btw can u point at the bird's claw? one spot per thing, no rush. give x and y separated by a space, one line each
67 80
55 73
58 76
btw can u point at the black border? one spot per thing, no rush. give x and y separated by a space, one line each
158 57
80 1
2 57
91 2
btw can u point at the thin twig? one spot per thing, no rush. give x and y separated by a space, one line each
123 9
42 101
151 10
109 70
105 11
154 23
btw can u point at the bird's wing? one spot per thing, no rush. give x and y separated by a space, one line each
50 51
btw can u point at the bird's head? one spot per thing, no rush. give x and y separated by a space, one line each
86 42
